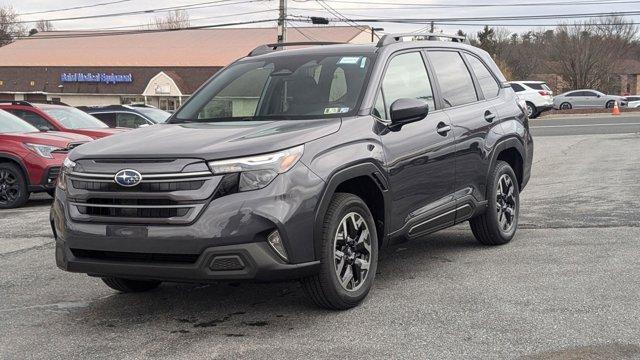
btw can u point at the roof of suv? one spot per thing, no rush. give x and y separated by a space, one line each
386 45
269 50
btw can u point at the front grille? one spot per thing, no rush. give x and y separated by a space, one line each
143 213
135 257
161 198
143 187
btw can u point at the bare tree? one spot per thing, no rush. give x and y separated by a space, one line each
44 25
9 28
587 54
177 19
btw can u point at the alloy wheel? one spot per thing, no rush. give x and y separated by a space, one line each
506 203
352 247
9 187
529 110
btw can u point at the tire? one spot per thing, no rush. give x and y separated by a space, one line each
130 286
565 106
532 111
489 228
13 186
610 104
325 288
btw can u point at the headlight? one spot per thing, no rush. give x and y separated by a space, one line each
67 167
42 150
258 171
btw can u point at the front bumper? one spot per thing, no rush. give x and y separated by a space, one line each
226 240
251 261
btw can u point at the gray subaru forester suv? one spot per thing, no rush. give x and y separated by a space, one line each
301 164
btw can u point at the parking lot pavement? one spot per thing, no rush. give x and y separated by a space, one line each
566 287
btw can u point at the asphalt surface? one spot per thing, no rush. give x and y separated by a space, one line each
586 124
565 288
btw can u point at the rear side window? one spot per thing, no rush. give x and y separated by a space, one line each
406 77
454 78
32 118
107 118
537 86
517 87
488 83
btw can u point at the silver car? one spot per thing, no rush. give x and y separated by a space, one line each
586 98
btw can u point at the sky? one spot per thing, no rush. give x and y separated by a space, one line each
267 9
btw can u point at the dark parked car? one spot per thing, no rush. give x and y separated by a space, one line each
30 160
301 163
127 116
58 117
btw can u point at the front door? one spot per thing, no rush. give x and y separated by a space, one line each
420 155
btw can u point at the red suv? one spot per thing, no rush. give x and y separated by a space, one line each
30 160
58 117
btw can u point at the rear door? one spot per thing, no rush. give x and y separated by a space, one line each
420 156
470 102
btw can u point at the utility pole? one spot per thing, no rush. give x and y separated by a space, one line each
433 27
282 23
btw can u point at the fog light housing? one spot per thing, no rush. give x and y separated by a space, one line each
275 241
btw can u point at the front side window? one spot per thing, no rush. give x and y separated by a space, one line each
308 86
406 77
454 78
129 120
157 115
12 124
488 83
72 118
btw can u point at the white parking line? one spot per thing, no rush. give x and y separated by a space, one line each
581 125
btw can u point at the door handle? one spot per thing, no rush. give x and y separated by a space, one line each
489 116
443 129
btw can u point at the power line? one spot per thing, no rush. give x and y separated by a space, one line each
449 5
483 18
309 37
74 8
65 35
200 5
138 26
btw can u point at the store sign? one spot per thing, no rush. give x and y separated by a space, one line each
104 78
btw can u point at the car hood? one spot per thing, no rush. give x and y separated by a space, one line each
52 138
207 141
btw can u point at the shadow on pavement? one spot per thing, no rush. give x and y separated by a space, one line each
186 308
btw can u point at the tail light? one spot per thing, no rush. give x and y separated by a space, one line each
544 93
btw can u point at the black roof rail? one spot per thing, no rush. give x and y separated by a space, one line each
394 38
267 48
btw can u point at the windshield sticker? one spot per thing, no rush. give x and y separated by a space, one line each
336 110
349 60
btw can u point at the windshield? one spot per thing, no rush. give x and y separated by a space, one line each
73 118
157 115
12 124
281 88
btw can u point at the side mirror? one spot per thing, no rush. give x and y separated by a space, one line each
404 111
44 128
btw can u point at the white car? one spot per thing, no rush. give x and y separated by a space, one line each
536 94
634 101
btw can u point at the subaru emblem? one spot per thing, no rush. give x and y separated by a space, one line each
128 178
